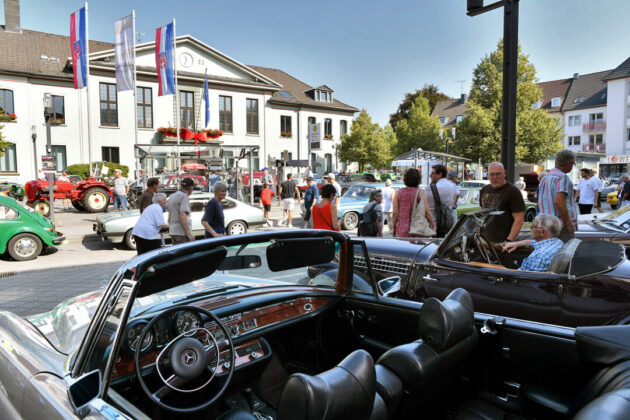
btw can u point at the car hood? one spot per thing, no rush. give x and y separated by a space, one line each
108 217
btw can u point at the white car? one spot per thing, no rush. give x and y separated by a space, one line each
239 216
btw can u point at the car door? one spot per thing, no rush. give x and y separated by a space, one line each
197 208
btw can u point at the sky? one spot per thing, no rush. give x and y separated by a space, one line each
370 52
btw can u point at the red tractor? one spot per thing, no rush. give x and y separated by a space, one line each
91 195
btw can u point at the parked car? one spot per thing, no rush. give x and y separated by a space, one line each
612 198
239 217
168 185
13 189
240 328
353 200
24 233
477 183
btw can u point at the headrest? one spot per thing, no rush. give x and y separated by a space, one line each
345 391
444 324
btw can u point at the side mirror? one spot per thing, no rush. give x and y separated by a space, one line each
84 390
389 285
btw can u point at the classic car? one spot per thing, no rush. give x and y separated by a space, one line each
353 200
239 216
12 188
24 233
241 328
588 282
613 227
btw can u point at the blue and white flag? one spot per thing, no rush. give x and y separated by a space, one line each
206 98
124 45
78 45
164 45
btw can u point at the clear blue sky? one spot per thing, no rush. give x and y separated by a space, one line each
370 52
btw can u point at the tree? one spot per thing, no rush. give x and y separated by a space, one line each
430 91
367 143
479 133
3 144
419 130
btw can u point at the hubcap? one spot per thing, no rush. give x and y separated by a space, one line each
350 220
96 200
237 229
42 208
25 247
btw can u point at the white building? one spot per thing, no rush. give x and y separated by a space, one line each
253 106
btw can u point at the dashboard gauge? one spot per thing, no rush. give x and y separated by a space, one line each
133 336
186 321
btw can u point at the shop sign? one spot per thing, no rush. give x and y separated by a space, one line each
49 164
315 135
616 159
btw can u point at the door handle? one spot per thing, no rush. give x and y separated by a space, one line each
429 278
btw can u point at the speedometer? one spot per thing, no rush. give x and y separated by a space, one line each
186 321
133 336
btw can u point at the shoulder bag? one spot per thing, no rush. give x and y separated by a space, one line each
444 215
419 225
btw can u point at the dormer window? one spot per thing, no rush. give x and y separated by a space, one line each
577 100
458 119
556 101
442 120
537 105
320 94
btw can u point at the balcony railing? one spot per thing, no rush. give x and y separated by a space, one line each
594 126
594 148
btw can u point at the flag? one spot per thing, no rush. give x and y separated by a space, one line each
206 98
124 45
78 46
164 59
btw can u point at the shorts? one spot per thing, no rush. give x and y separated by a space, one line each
288 203
267 207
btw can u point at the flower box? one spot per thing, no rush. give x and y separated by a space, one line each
286 134
328 136
57 121
7 117
186 134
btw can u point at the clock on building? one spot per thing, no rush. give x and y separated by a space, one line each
185 59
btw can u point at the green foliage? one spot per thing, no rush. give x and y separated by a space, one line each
429 91
83 169
479 134
419 130
367 143
3 144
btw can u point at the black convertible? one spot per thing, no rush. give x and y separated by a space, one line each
247 327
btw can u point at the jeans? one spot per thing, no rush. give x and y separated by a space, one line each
454 213
120 202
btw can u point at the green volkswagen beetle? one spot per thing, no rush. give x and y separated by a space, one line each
24 234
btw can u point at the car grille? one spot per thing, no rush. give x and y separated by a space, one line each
383 264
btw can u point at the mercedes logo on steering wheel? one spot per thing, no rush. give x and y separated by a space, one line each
189 357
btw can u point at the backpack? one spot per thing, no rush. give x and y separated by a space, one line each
444 215
367 225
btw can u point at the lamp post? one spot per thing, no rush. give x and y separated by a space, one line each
34 137
441 134
51 176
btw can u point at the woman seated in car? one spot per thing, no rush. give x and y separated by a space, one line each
545 231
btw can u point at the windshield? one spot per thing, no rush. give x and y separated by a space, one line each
358 193
621 218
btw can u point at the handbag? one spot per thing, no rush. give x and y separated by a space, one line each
419 225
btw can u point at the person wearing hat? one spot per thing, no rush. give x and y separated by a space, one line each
179 221
311 196
121 189
331 180
452 176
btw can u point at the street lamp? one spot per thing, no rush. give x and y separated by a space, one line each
34 137
48 110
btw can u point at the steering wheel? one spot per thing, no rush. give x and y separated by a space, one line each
186 358
482 249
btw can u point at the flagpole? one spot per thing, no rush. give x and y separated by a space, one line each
179 158
87 87
135 97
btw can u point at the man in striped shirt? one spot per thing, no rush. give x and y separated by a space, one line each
556 195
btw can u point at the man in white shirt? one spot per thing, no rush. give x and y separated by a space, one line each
600 185
587 192
445 190
452 177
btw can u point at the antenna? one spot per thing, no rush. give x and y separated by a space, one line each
139 36
461 85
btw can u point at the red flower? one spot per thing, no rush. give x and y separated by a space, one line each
12 116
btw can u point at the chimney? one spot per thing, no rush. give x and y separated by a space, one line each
575 76
12 16
463 99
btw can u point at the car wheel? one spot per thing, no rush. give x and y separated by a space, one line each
129 241
530 215
42 207
95 200
24 247
77 205
236 227
350 220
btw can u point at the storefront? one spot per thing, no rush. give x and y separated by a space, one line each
614 164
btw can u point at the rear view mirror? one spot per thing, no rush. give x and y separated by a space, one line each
389 285
84 390
240 262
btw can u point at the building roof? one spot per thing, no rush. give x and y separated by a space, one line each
622 71
450 108
22 53
296 90
554 89
591 88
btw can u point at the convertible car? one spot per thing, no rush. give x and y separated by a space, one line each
245 327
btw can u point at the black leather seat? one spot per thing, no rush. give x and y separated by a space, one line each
428 367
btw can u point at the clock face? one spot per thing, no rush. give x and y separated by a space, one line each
185 60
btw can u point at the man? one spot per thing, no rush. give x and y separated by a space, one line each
503 196
600 185
66 201
625 191
267 178
149 225
556 196
446 192
311 196
180 223
146 198
288 190
265 201
452 177
121 188
587 192
331 180
545 230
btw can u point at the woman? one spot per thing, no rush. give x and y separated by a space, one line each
403 204
213 221
388 199
372 217
324 214
149 225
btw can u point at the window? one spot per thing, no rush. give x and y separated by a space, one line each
312 120
577 100
328 129
313 159
285 126
328 158
320 95
110 154
343 127
574 140
144 101
58 108
59 153
628 136
575 120
252 116
256 161
598 117
187 109
7 212
458 119
6 101
556 101
596 139
442 120
197 205
536 105
225 113
8 162
109 104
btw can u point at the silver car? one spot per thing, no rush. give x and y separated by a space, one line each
239 216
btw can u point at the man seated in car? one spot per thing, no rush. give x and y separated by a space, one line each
545 231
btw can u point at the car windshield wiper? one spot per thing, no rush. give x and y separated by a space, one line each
209 290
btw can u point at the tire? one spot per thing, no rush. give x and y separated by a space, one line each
350 220
24 247
42 207
237 227
129 241
95 200
77 205
530 215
